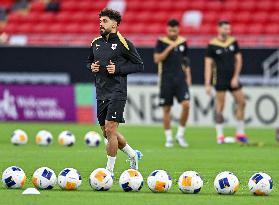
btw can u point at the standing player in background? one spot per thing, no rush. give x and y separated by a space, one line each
111 59
175 77
223 63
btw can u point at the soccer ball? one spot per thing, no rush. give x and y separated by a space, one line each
44 138
260 184
69 179
100 179
190 182
159 181
226 183
92 139
131 180
14 177
44 178
66 138
19 137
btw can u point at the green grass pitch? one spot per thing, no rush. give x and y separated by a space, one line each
203 155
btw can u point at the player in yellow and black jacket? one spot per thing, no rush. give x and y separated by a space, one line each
223 64
111 59
171 55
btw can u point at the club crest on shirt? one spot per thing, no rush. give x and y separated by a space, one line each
231 47
181 48
113 46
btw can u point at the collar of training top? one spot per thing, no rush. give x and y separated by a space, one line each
111 36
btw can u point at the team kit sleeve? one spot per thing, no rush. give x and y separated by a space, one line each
185 60
90 58
236 48
209 52
134 63
159 47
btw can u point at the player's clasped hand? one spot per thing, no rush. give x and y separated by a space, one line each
111 67
234 82
95 67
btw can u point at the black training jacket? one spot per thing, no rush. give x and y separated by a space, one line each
126 59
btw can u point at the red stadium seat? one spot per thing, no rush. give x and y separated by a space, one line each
40 28
57 28
37 6
242 17
247 5
260 17
272 29
251 17
239 29
256 28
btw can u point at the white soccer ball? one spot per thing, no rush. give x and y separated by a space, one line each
159 181
131 180
92 139
44 178
260 184
14 177
69 179
190 182
66 138
101 180
44 138
19 137
226 183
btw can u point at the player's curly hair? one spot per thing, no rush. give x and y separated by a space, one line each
112 14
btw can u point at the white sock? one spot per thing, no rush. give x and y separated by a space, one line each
168 134
219 129
240 127
180 131
129 151
110 163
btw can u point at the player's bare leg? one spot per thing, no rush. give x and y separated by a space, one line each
112 145
185 105
134 155
123 146
240 114
167 125
219 119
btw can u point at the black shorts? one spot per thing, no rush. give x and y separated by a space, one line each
227 87
111 110
171 88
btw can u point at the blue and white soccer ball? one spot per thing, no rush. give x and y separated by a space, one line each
100 179
14 177
44 178
44 138
69 179
19 137
92 139
260 184
190 182
131 180
159 181
226 183
66 138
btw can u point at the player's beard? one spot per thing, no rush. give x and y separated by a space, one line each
104 32
224 35
173 37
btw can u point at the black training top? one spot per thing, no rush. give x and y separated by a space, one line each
126 59
177 58
223 54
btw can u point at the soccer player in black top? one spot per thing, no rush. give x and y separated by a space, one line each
223 63
111 59
175 77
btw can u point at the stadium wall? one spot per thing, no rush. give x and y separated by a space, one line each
70 62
